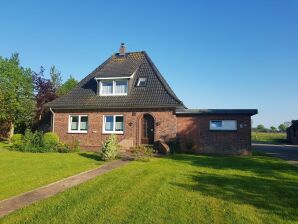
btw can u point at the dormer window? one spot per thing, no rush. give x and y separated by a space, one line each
142 82
113 87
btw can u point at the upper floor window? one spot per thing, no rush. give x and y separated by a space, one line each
223 125
78 124
142 81
113 87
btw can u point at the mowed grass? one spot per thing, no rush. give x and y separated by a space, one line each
269 137
178 189
21 172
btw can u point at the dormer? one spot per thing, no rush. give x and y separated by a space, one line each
115 78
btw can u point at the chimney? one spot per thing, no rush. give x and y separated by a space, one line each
122 49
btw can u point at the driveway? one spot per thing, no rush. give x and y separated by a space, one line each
286 152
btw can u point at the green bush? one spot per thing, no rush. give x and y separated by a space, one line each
50 141
17 141
110 148
142 151
68 148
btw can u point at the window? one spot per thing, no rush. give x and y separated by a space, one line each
223 125
113 124
107 87
78 124
142 82
113 87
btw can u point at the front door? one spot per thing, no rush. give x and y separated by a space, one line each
147 135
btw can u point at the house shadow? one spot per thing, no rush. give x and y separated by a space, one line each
93 156
266 188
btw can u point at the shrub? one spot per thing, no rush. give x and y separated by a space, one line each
142 152
17 141
110 148
68 148
50 141
33 142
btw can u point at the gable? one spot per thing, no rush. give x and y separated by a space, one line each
157 93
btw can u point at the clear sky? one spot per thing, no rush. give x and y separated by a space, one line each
214 54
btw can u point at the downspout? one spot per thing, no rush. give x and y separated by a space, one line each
53 119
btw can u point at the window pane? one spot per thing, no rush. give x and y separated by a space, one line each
119 123
84 123
74 123
107 87
109 123
216 124
121 87
223 125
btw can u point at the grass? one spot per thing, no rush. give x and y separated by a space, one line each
268 137
21 172
178 189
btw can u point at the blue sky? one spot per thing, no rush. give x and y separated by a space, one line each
214 54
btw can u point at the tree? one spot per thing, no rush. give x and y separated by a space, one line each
67 86
261 128
16 93
273 129
55 77
44 92
282 127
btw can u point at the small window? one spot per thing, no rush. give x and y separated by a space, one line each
78 124
142 81
223 125
113 124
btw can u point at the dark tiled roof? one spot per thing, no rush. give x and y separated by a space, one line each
217 111
157 92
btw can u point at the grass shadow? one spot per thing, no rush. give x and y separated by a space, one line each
259 164
93 156
271 184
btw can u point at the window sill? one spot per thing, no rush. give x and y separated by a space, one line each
122 94
113 132
222 130
77 132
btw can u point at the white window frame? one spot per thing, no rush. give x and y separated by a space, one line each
114 87
114 124
79 123
142 79
223 128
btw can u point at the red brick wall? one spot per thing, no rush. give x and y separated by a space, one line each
195 136
165 127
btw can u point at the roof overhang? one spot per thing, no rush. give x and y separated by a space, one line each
250 112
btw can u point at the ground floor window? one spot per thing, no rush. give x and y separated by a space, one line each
78 124
223 125
113 124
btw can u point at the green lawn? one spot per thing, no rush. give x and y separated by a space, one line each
178 189
269 137
21 172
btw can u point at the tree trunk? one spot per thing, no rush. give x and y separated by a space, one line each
11 131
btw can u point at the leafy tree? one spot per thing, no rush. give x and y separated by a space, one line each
44 92
55 77
282 127
67 86
273 129
261 128
16 93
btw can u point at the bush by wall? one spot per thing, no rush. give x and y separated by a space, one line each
110 148
51 141
38 142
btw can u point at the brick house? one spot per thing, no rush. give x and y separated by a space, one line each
127 96
292 133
